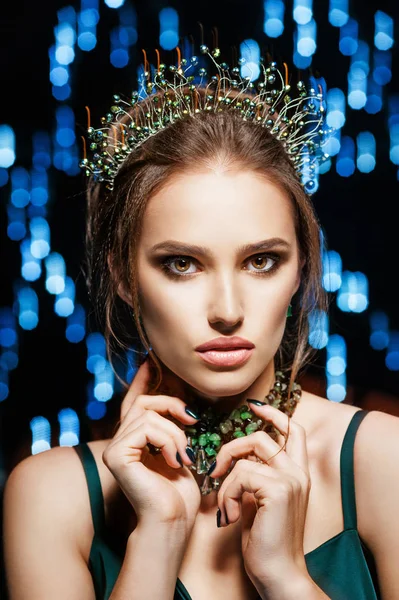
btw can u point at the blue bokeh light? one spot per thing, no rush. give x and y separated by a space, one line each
338 14
348 37
336 355
336 104
8 325
114 3
392 355
379 326
28 306
59 76
119 58
250 54
96 352
87 41
41 434
69 427
55 273
64 303
382 67
76 325
332 271
306 41
383 37
9 360
374 97
318 329
273 25
64 55
104 384
366 148
345 163
169 28
7 146
302 11
336 387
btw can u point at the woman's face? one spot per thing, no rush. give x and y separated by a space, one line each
225 289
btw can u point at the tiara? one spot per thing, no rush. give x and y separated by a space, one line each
173 93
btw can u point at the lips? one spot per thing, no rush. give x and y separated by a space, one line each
223 343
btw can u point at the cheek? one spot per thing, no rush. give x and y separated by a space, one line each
275 296
163 317
269 309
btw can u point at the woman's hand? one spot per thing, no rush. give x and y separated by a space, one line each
273 497
158 487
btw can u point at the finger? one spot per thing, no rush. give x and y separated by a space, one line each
294 433
258 443
138 386
174 431
132 447
164 405
253 478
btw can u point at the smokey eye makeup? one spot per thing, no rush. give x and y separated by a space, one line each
165 263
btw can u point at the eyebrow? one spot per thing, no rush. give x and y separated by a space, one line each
182 248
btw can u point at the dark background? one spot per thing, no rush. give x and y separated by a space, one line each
359 214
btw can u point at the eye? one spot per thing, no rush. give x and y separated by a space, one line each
183 260
262 260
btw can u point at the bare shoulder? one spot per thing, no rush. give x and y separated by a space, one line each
53 481
327 419
325 423
377 479
46 526
377 494
376 450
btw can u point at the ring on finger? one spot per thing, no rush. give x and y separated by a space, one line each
153 449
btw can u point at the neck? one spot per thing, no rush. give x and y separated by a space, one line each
200 401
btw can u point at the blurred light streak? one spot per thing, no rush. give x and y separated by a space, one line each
169 28
273 25
41 434
7 146
69 427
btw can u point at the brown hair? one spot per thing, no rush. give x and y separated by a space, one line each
115 222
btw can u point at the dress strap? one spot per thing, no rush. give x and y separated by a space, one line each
94 486
348 472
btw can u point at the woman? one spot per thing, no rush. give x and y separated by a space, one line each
200 227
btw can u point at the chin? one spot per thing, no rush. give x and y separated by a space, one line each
217 384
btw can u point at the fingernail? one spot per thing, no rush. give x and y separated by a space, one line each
178 458
218 516
190 454
211 468
225 516
191 413
257 402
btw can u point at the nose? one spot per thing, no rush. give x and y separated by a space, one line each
226 302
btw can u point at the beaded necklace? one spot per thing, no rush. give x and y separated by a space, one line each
207 436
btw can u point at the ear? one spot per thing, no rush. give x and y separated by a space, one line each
122 292
125 295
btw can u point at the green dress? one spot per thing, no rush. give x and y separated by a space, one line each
342 567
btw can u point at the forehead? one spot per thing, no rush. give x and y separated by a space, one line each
219 205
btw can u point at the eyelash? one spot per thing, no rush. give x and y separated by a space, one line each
165 264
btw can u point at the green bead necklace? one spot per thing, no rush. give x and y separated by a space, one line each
207 436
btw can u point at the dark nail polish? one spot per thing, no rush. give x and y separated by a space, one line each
257 402
211 468
191 413
218 515
178 458
225 516
190 454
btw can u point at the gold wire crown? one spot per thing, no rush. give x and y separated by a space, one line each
174 94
